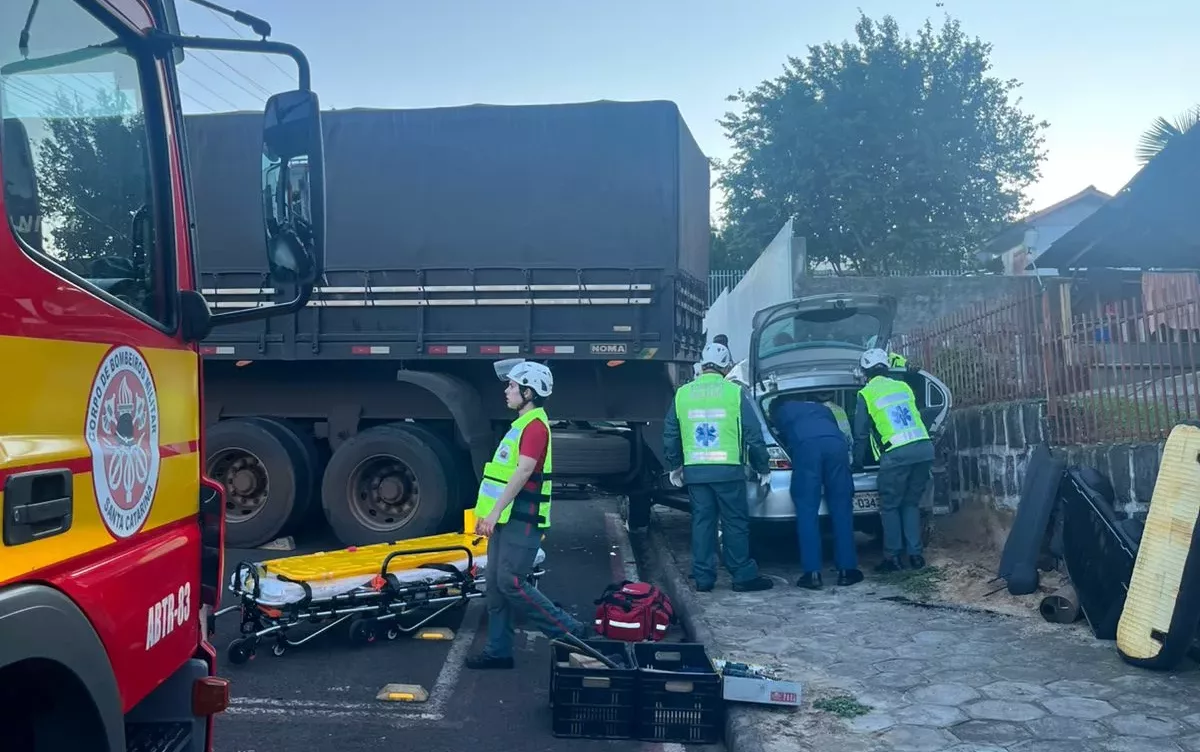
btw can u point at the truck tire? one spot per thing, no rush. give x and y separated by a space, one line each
460 478
306 460
258 471
384 484
590 453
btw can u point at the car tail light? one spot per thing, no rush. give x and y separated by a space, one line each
777 459
212 541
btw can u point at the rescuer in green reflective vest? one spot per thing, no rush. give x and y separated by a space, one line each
888 423
513 511
705 445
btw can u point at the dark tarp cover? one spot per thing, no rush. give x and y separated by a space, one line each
596 184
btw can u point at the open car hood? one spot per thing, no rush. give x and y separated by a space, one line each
812 322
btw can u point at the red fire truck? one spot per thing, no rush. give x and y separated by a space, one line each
111 556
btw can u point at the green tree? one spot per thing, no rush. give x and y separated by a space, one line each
724 255
893 154
91 177
1162 132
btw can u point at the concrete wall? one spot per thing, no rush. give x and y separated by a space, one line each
922 300
987 449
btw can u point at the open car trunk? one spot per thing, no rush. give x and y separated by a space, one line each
813 344
933 398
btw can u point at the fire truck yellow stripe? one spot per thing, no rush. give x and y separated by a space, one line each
47 385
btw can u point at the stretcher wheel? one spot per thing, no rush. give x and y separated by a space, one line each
392 632
279 649
240 651
362 632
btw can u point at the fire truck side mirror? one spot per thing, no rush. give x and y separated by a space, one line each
294 188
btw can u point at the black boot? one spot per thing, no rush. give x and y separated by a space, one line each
848 577
485 662
890 564
758 584
916 562
810 581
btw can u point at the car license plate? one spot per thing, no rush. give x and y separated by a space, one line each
867 501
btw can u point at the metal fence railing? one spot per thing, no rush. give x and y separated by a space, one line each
1125 372
719 279
1122 373
986 353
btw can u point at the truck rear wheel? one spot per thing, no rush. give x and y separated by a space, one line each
306 461
252 460
384 484
460 477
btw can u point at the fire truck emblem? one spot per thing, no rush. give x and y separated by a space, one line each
123 433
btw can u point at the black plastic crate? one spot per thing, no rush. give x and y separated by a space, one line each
594 703
679 694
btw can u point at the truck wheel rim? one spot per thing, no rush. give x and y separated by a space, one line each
246 482
384 493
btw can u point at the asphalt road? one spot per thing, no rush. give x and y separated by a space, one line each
320 697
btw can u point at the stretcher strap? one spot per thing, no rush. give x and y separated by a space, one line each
307 599
394 584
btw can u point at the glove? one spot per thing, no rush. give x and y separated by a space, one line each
677 477
913 367
764 479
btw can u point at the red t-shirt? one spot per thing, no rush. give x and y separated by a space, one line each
535 439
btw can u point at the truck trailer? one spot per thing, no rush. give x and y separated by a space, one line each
572 234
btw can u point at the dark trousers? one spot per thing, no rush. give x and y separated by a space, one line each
901 487
727 501
823 462
511 554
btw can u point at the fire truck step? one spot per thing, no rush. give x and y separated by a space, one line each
157 737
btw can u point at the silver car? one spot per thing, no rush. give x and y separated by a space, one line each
812 346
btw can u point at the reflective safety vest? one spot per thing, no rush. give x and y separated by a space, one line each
709 410
528 506
896 360
893 409
839 414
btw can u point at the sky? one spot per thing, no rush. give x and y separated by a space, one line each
1099 73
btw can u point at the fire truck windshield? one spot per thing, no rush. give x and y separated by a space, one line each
76 163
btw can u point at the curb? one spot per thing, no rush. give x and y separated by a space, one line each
658 565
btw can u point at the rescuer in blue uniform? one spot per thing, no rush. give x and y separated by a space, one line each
820 456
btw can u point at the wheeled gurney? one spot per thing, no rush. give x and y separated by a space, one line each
386 589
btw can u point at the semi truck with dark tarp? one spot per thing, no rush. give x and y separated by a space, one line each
576 235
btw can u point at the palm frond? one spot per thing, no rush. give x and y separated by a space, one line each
1162 132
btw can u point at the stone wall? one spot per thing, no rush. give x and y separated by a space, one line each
987 448
922 300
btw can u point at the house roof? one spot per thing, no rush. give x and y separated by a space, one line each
1151 223
1014 233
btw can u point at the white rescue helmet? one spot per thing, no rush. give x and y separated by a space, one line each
873 358
526 373
716 355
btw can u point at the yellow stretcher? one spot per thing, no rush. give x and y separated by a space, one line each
324 566
383 589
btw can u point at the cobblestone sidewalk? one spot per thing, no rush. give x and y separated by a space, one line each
932 678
